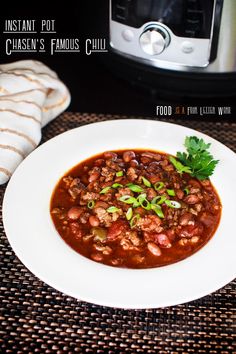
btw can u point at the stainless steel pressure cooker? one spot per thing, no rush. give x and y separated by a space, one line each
183 46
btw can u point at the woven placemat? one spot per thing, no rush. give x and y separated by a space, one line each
35 318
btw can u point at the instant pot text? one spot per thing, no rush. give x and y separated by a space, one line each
38 36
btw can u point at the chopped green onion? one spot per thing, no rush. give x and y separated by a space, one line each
158 186
91 204
172 204
141 197
127 199
135 188
129 214
134 220
145 204
171 192
119 174
112 209
159 199
146 182
186 191
136 204
105 190
117 185
158 210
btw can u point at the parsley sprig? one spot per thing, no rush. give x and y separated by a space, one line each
197 161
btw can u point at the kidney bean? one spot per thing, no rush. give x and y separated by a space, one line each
179 193
110 155
191 199
134 163
128 156
74 213
151 155
153 167
154 249
94 176
101 204
163 240
94 221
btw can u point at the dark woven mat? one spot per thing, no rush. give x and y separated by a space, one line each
38 319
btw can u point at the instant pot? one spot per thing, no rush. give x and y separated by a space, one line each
175 47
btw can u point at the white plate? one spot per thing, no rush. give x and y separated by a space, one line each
35 241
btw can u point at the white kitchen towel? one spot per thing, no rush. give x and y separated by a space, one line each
31 95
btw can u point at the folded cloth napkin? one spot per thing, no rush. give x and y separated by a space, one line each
31 95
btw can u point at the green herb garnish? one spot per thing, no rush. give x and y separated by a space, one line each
197 161
179 166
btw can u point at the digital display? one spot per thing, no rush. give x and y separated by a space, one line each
186 18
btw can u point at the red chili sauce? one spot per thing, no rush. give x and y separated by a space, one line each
133 209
